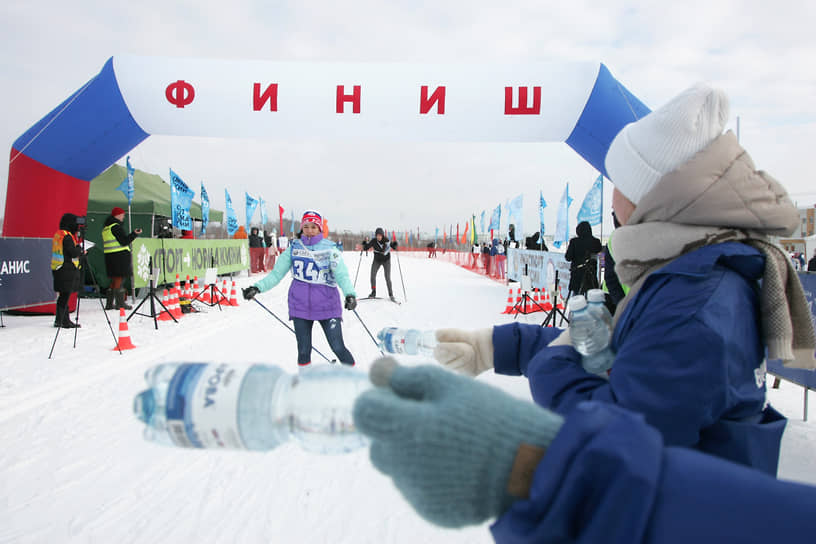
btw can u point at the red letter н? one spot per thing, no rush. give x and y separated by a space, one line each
354 98
438 98
270 94
523 108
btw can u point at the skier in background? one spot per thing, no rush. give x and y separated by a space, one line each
382 258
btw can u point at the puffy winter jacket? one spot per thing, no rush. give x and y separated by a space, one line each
608 477
688 357
317 270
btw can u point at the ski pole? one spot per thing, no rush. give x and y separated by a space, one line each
285 324
359 260
368 331
404 295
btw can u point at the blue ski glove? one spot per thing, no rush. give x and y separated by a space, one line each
450 442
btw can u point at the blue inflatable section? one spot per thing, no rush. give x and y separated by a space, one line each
610 107
85 134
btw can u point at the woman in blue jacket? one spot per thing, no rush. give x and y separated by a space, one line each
709 293
317 269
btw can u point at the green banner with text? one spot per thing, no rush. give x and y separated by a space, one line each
186 258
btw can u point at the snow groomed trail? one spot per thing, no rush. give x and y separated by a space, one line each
74 466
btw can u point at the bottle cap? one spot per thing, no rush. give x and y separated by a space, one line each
576 303
596 295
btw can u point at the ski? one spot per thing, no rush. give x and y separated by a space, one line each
397 302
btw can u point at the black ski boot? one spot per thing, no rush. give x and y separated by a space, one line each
373 294
109 300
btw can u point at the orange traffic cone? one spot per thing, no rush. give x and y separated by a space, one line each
223 298
233 300
176 284
545 300
165 315
175 307
188 286
511 302
124 334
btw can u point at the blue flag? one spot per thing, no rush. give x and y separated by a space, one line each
251 204
541 205
495 219
263 212
514 215
205 209
232 221
562 224
181 198
481 223
593 202
292 219
436 237
127 184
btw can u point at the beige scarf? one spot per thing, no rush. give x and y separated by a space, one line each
719 196
787 330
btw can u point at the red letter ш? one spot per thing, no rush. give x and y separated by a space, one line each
438 98
523 108
354 98
271 94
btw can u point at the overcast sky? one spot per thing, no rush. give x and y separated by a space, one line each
763 54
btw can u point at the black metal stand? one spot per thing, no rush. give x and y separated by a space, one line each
550 319
151 296
84 265
521 304
214 295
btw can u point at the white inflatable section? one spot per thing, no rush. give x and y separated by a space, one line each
390 99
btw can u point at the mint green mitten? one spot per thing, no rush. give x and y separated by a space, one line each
450 442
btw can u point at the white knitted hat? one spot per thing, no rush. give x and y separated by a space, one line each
646 150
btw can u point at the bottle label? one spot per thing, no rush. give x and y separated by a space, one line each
394 343
202 406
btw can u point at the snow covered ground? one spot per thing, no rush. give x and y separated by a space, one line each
74 466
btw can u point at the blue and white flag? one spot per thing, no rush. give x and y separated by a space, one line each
562 223
251 204
181 198
495 219
205 209
127 184
482 222
436 237
593 202
515 216
292 219
541 205
232 221
263 212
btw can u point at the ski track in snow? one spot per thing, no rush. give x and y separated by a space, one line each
74 466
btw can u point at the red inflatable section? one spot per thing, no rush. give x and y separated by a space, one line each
40 195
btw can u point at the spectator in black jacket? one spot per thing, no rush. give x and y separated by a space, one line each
65 264
536 242
382 258
581 253
812 263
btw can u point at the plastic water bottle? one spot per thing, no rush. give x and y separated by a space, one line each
257 407
596 299
590 336
407 341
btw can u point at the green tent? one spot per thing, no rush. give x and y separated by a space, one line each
149 210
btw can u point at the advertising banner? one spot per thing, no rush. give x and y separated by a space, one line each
541 266
186 258
25 272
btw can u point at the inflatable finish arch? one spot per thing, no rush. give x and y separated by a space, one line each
51 164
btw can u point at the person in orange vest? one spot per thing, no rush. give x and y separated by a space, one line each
65 253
